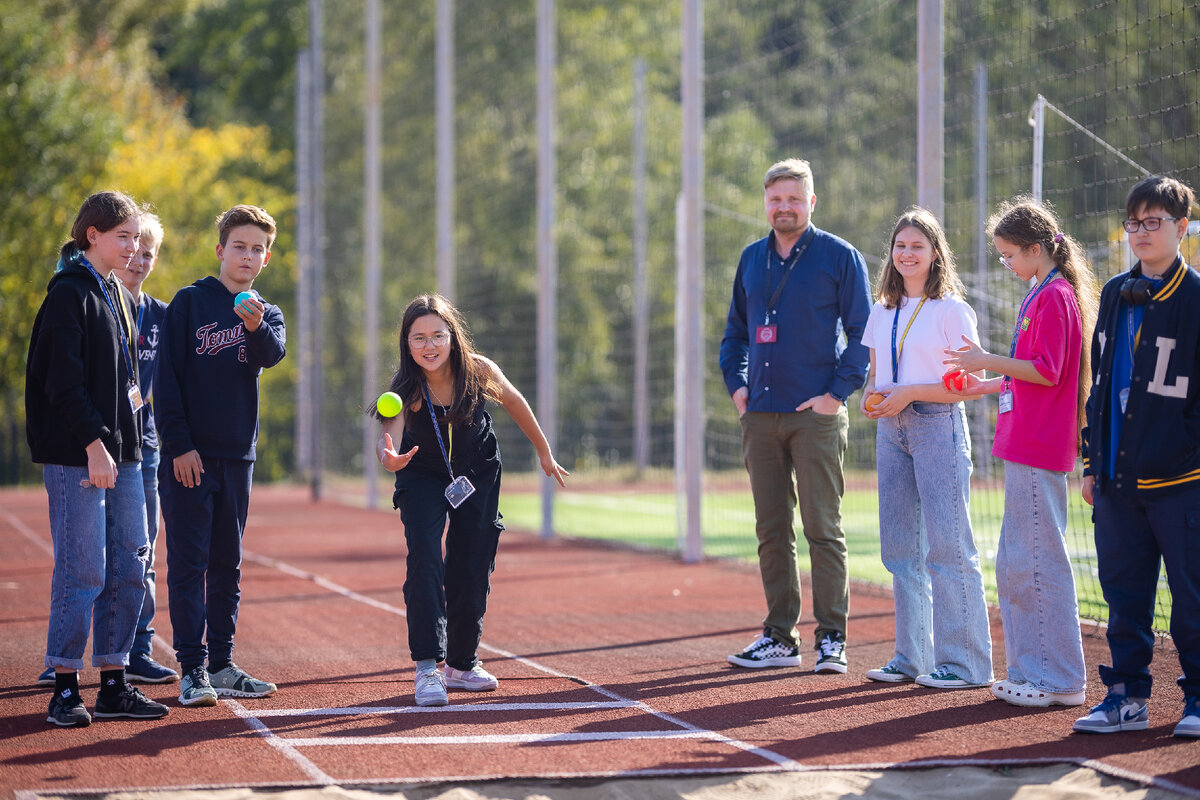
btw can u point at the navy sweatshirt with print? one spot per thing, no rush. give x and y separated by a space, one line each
206 387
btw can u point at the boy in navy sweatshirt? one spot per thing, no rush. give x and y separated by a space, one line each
1141 457
216 343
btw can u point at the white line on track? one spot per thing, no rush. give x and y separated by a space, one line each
285 747
498 738
375 711
694 730
27 532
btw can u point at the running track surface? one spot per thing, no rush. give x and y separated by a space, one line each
612 663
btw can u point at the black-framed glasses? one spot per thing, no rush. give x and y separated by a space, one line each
420 341
1151 224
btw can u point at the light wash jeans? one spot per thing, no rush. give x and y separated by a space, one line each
1042 641
99 562
924 460
142 640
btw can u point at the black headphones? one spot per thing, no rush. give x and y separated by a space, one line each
1136 291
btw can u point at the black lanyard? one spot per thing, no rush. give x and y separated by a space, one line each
809 235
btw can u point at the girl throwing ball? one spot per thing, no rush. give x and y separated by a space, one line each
448 465
1043 385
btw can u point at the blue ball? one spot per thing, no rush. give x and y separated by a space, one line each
242 297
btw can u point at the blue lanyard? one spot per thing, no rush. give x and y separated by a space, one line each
141 313
113 309
1012 347
895 326
437 430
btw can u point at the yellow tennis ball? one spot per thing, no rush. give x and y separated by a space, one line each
389 404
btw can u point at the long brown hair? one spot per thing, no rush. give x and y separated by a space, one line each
409 378
943 275
1026 222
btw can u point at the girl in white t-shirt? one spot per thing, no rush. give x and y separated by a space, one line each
923 456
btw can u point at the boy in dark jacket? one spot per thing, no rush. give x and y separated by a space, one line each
1141 451
219 336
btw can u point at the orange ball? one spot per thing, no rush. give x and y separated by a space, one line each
874 400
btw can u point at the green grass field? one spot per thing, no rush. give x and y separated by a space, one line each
634 516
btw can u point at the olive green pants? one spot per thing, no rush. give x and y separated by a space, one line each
797 458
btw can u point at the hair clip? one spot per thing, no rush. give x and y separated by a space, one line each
1058 237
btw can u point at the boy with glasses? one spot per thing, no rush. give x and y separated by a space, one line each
1141 451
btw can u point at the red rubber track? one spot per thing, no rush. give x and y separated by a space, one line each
611 663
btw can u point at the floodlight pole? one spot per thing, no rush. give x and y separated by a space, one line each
1037 118
931 114
547 252
444 112
641 302
372 244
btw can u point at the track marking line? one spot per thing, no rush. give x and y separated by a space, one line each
698 732
497 738
315 773
375 711
27 532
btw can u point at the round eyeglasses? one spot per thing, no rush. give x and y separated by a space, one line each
420 341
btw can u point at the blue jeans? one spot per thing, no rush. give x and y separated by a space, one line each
1134 534
145 633
99 561
924 460
1042 641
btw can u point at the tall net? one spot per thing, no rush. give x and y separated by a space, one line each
832 83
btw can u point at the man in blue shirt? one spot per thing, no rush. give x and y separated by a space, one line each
791 355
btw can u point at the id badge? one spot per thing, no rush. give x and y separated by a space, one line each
764 334
1006 401
1123 396
135 398
458 491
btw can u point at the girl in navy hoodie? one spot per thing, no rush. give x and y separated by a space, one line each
81 409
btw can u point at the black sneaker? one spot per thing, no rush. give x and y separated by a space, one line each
129 703
831 654
767 651
67 711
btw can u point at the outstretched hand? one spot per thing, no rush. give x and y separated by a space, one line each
393 461
553 470
969 358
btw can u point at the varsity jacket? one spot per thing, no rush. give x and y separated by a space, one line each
1159 449
206 387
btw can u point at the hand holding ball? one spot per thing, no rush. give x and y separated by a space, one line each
874 400
240 300
389 404
954 380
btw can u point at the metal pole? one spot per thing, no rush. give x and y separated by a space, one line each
983 300
641 303
304 287
931 115
1037 118
372 243
692 401
444 111
547 260
315 17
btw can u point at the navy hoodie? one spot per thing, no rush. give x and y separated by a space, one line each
76 380
206 387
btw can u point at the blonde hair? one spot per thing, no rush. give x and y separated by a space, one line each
152 229
1026 222
794 168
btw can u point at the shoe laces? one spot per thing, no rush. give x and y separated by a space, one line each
425 678
1112 701
199 676
830 647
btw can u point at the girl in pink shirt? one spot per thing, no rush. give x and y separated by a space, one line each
1042 387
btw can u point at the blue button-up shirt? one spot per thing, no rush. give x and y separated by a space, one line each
825 298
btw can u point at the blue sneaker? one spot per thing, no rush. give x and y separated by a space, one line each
1116 713
46 678
1189 726
144 669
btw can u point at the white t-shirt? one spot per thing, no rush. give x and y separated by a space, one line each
941 324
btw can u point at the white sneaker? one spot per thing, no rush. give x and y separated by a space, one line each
476 679
430 688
